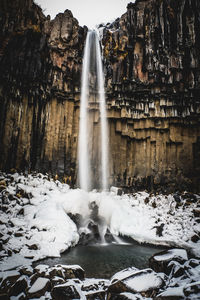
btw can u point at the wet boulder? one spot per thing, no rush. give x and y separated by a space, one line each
171 293
196 212
176 269
96 295
42 270
57 280
146 282
67 272
127 296
124 274
8 278
26 270
69 290
195 238
159 262
192 291
95 289
39 287
19 286
94 285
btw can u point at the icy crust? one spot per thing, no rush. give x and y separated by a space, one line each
37 212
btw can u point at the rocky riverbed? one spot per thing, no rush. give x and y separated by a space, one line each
172 275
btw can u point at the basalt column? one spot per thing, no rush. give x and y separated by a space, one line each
152 79
40 69
152 58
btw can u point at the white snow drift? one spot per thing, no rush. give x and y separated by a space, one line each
43 228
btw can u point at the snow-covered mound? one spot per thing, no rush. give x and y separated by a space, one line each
37 213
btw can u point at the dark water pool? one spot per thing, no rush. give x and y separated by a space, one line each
103 261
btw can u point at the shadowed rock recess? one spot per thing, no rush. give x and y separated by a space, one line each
152 69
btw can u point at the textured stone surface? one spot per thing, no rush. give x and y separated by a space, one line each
152 68
40 63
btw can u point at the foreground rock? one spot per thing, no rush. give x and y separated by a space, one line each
146 282
39 288
160 262
69 290
177 278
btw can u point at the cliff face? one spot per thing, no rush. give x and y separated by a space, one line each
152 68
153 88
40 69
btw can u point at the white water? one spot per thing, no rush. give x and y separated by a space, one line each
104 126
84 155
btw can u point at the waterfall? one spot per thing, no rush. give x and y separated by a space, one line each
92 83
83 155
104 127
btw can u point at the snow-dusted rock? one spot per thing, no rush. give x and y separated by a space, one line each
67 271
192 291
7 280
19 286
142 281
92 295
127 296
175 293
56 280
124 274
39 287
69 290
42 270
26 270
175 269
159 262
93 284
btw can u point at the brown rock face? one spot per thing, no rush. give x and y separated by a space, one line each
153 88
40 62
152 68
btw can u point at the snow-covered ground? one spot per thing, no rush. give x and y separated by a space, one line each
35 218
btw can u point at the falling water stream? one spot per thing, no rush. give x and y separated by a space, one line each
92 83
104 129
83 155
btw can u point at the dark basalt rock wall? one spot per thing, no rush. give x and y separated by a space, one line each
153 93
40 69
152 68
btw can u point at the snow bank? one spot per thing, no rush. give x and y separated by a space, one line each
36 221
44 229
